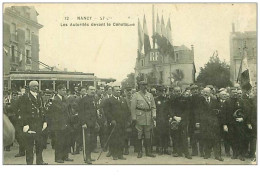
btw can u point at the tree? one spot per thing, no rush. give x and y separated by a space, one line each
215 72
129 81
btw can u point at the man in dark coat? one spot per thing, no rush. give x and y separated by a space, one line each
224 122
33 120
180 111
238 116
194 125
58 116
210 126
118 116
13 112
162 120
88 118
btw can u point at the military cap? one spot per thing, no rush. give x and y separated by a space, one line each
221 89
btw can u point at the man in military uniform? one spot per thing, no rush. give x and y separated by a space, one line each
88 118
33 120
59 118
119 117
162 120
143 111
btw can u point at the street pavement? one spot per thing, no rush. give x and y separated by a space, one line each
48 156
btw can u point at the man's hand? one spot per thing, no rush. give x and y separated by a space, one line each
84 126
249 126
26 128
134 122
113 122
178 119
197 125
239 120
44 126
225 128
170 119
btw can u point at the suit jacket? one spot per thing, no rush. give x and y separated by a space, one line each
88 111
58 114
210 126
119 111
180 107
32 112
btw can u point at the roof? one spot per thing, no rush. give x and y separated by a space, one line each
180 48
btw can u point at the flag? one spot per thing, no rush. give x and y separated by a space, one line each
243 75
140 39
170 49
163 44
169 31
157 36
147 45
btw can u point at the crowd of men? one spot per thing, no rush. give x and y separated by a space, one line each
203 119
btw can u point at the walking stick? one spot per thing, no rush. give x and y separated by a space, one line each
106 141
84 144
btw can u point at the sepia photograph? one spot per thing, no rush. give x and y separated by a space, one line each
129 83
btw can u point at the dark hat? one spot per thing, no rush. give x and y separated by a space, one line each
142 83
160 88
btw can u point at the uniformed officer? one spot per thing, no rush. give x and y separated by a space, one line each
58 116
162 120
143 111
32 117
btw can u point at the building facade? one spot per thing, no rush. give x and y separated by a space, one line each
238 42
21 39
167 69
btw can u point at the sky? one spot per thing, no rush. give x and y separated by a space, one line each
110 51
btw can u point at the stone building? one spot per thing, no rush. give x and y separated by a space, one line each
238 42
21 38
